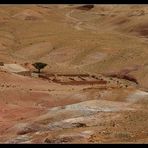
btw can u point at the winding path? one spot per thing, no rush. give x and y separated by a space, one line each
78 23
74 20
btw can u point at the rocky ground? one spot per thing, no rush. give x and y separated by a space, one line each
36 110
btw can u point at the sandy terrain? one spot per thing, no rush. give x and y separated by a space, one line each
94 88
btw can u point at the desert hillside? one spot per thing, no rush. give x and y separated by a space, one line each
103 39
94 88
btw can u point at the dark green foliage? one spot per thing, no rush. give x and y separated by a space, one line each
39 66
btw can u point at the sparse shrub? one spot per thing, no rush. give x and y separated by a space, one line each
1 63
79 124
123 76
86 7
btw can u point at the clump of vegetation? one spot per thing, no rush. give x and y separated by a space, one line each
123 76
86 7
1 63
39 66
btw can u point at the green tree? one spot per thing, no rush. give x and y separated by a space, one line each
39 66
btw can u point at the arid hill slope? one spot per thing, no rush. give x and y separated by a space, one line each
105 38
94 89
